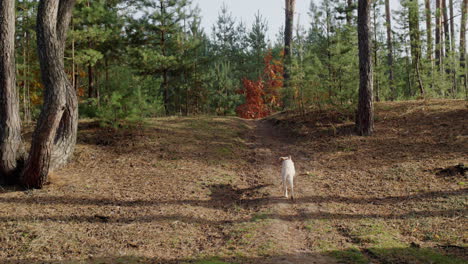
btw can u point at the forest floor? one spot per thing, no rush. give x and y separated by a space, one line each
206 190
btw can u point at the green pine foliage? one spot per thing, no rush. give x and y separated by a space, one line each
129 60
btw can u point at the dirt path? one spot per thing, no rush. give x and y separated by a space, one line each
288 229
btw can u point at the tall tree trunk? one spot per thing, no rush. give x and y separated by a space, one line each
391 78
288 34
464 10
65 138
408 67
430 49
164 84
429 40
329 55
452 26
55 135
10 123
365 113
438 36
73 58
452 48
415 40
27 97
376 54
446 30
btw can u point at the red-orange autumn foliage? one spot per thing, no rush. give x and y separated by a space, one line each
262 96
273 78
254 106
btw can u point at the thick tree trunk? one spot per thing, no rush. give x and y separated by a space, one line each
10 123
365 113
65 138
391 78
288 33
438 36
55 134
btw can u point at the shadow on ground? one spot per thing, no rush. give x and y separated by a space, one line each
352 256
225 196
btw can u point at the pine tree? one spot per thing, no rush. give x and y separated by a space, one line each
365 113
156 49
257 45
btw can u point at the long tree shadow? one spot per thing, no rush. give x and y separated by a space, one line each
364 255
190 219
222 195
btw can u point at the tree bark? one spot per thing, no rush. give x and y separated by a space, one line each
430 49
365 113
65 138
10 123
464 10
452 48
288 33
376 54
452 26
446 30
55 135
391 78
438 36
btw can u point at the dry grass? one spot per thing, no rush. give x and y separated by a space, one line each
205 190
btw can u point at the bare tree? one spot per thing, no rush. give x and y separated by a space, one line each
10 123
55 135
365 112
288 33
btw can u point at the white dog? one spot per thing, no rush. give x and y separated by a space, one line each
287 175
